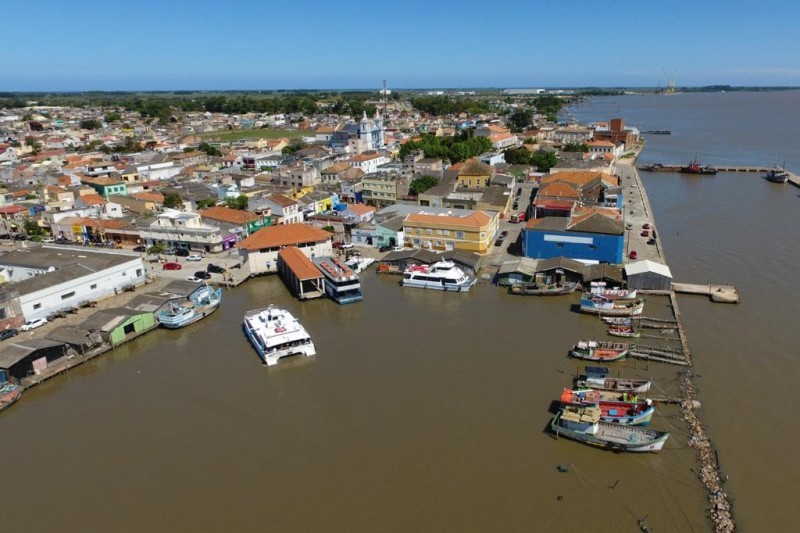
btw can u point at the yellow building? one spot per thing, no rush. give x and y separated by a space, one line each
475 174
472 231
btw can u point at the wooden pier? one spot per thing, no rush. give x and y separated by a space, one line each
718 293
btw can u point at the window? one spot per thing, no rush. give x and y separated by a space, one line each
560 245
592 247
438 242
459 235
2 313
447 232
67 295
37 306
438 232
429 231
93 286
138 272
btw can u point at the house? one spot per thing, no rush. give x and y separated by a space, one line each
106 186
503 141
139 203
475 174
560 191
82 229
384 188
119 325
105 208
235 225
359 212
367 162
589 234
285 210
352 188
185 159
24 357
470 231
187 231
260 250
334 174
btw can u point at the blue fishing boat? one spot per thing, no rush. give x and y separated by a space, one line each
201 303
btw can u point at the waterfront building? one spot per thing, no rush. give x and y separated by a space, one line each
177 229
302 276
260 250
589 234
470 231
648 275
616 132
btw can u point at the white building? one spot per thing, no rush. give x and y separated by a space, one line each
174 228
260 250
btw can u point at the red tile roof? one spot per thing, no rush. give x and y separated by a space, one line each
298 263
283 235
226 214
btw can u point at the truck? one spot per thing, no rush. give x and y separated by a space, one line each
518 217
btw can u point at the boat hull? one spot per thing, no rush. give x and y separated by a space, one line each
524 290
629 309
198 314
447 287
271 356
614 437
9 395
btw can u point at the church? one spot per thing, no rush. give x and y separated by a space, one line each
358 137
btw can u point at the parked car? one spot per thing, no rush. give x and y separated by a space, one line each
504 233
140 249
20 237
397 248
5 236
48 240
499 241
519 191
651 241
633 254
645 233
193 257
385 248
215 269
346 245
8 333
628 226
170 251
33 324
172 266
194 279
182 253
202 274
645 226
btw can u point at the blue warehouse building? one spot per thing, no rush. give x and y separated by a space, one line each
590 235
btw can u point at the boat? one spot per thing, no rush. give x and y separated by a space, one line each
359 264
616 411
621 330
599 288
535 289
777 174
596 377
341 282
694 167
10 393
583 424
275 334
201 303
600 350
618 320
441 275
600 305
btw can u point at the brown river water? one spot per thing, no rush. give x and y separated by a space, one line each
426 411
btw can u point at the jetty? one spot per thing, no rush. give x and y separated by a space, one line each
718 293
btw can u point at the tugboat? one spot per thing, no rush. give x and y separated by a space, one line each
777 174
695 168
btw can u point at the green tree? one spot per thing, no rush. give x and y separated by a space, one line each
90 124
210 150
575 147
113 117
173 200
517 156
520 119
422 184
544 160
240 202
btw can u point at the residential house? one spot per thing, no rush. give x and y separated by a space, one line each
469 231
285 210
240 223
176 229
106 186
560 191
57 198
473 173
359 212
367 162
384 188
260 250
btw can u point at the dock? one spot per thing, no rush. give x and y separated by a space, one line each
718 293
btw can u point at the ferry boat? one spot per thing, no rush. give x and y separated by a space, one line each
583 424
600 350
199 305
777 174
359 264
442 276
629 412
341 282
596 377
600 305
275 333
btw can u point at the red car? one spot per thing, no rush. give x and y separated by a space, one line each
645 233
172 266
633 255
646 226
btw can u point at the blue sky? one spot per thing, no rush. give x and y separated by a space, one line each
249 44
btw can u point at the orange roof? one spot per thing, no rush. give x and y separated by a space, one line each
283 235
600 143
97 222
93 199
473 167
364 157
495 137
226 214
559 190
473 220
281 200
149 197
361 209
580 177
298 263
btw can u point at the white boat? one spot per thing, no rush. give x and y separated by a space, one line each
359 264
599 288
276 333
199 305
441 276
341 282
600 305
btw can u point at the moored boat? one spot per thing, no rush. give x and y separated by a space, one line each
534 289
600 289
441 276
694 167
600 350
630 412
621 330
341 282
201 303
600 305
10 391
777 174
583 424
596 377
275 333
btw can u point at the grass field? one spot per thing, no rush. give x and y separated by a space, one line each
267 133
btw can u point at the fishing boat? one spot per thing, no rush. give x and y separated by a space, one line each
275 334
600 305
341 282
694 167
583 424
617 411
600 350
777 174
201 303
535 289
621 330
596 377
10 393
618 320
441 275
600 289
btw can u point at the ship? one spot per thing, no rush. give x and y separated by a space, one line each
199 305
441 275
694 167
777 174
275 333
341 282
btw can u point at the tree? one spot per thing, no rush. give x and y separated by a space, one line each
517 156
544 160
240 203
173 200
210 150
575 147
521 119
90 124
113 117
422 184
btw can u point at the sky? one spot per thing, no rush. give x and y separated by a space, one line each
58 45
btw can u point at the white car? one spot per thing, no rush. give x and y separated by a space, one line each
193 257
346 245
33 324
194 279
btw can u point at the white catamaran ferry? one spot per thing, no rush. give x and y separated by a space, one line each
275 333
442 276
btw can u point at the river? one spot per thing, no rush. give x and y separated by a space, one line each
427 410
